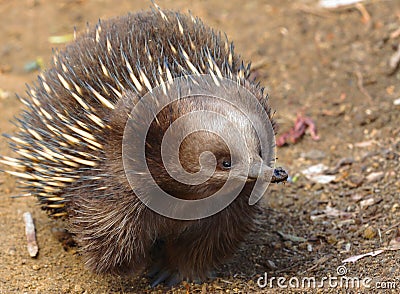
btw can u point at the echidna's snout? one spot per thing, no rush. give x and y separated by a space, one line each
260 170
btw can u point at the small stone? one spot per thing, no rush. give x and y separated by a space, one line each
78 288
288 244
309 247
375 176
4 94
375 164
12 251
331 239
303 245
365 118
35 267
347 247
366 203
276 245
317 187
324 197
355 180
369 233
65 288
357 196
271 264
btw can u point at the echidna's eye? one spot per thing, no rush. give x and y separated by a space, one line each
226 164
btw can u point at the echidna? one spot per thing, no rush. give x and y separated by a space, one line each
70 141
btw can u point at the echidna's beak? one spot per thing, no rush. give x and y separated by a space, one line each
260 170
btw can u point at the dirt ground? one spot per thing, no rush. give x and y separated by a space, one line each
330 65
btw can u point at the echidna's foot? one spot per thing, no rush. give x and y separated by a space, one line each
159 274
212 275
64 237
166 276
153 271
197 281
161 271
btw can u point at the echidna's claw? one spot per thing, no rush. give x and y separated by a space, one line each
173 280
153 271
160 277
158 274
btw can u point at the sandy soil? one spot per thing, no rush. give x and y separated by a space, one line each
331 66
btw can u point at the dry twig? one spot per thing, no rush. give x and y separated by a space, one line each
394 61
30 233
360 84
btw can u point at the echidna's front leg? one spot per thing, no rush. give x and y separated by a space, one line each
191 257
201 246
159 270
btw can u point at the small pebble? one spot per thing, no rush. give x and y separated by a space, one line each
375 176
347 247
369 233
35 267
12 251
271 264
78 288
309 247
356 180
331 239
366 203
65 288
4 94
276 245
288 244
